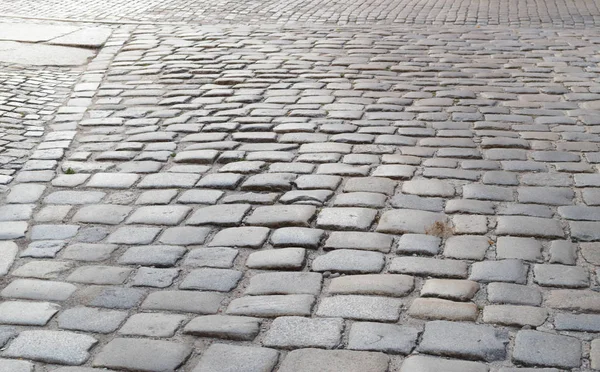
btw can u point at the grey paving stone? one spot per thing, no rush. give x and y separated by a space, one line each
511 315
467 247
429 267
211 257
346 218
561 276
428 187
594 354
349 261
247 237
542 349
16 365
225 215
370 184
388 338
142 355
577 322
297 237
159 215
578 300
585 231
402 221
27 313
184 235
224 326
110 297
184 301
529 226
102 214
382 285
277 259
100 275
545 195
231 358
272 306
53 232
58 347
208 279
436 308
74 197
469 206
113 180
284 283
156 197
462 340
359 240
527 249
316 360
8 252
16 212
168 180
418 244
507 293
291 332
152 325
152 277
133 235
88 252
282 215
33 289
451 289
421 363
25 193
153 255
512 271
89 319
360 308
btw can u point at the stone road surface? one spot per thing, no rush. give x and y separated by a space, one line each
264 197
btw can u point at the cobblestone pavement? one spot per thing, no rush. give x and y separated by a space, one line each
29 98
322 199
535 13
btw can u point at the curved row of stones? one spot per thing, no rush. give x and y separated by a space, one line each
313 200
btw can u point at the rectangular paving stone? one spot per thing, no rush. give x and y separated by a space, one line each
422 363
316 360
577 322
360 308
387 338
33 289
429 267
543 349
577 300
153 255
142 355
231 358
208 279
134 235
511 315
379 285
57 347
8 252
529 226
224 327
282 215
284 283
184 301
27 313
90 319
247 237
152 325
159 215
272 306
400 221
291 332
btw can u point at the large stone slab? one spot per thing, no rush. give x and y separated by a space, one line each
33 32
43 55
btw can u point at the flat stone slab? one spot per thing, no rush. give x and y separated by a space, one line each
315 360
547 350
33 32
43 55
92 37
51 347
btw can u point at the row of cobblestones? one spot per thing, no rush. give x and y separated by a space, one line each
520 13
314 200
29 98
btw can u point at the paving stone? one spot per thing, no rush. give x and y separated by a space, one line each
359 240
224 326
42 269
89 319
511 315
183 301
88 252
250 237
153 255
211 257
159 215
415 202
33 289
133 235
297 332
462 340
277 259
428 187
152 325
578 300
227 215
99 275
381 285
434 308
102 214
360 308
272 306
429 267
113 180
27 313
280 215
297 237
512 271
346 218
142 355
527 249
591 252
529 226
74 197
349 261
16 212
388 338
507 293
43 248
585 231
111 297
58 347
545 195
231 358
594 354
151 277
25 193
220 280
402 221
421 363
418 244
577 322
16 365
8 252
53 232
284 283
184 235
546 350
316 360
561 276
451 289
467 247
